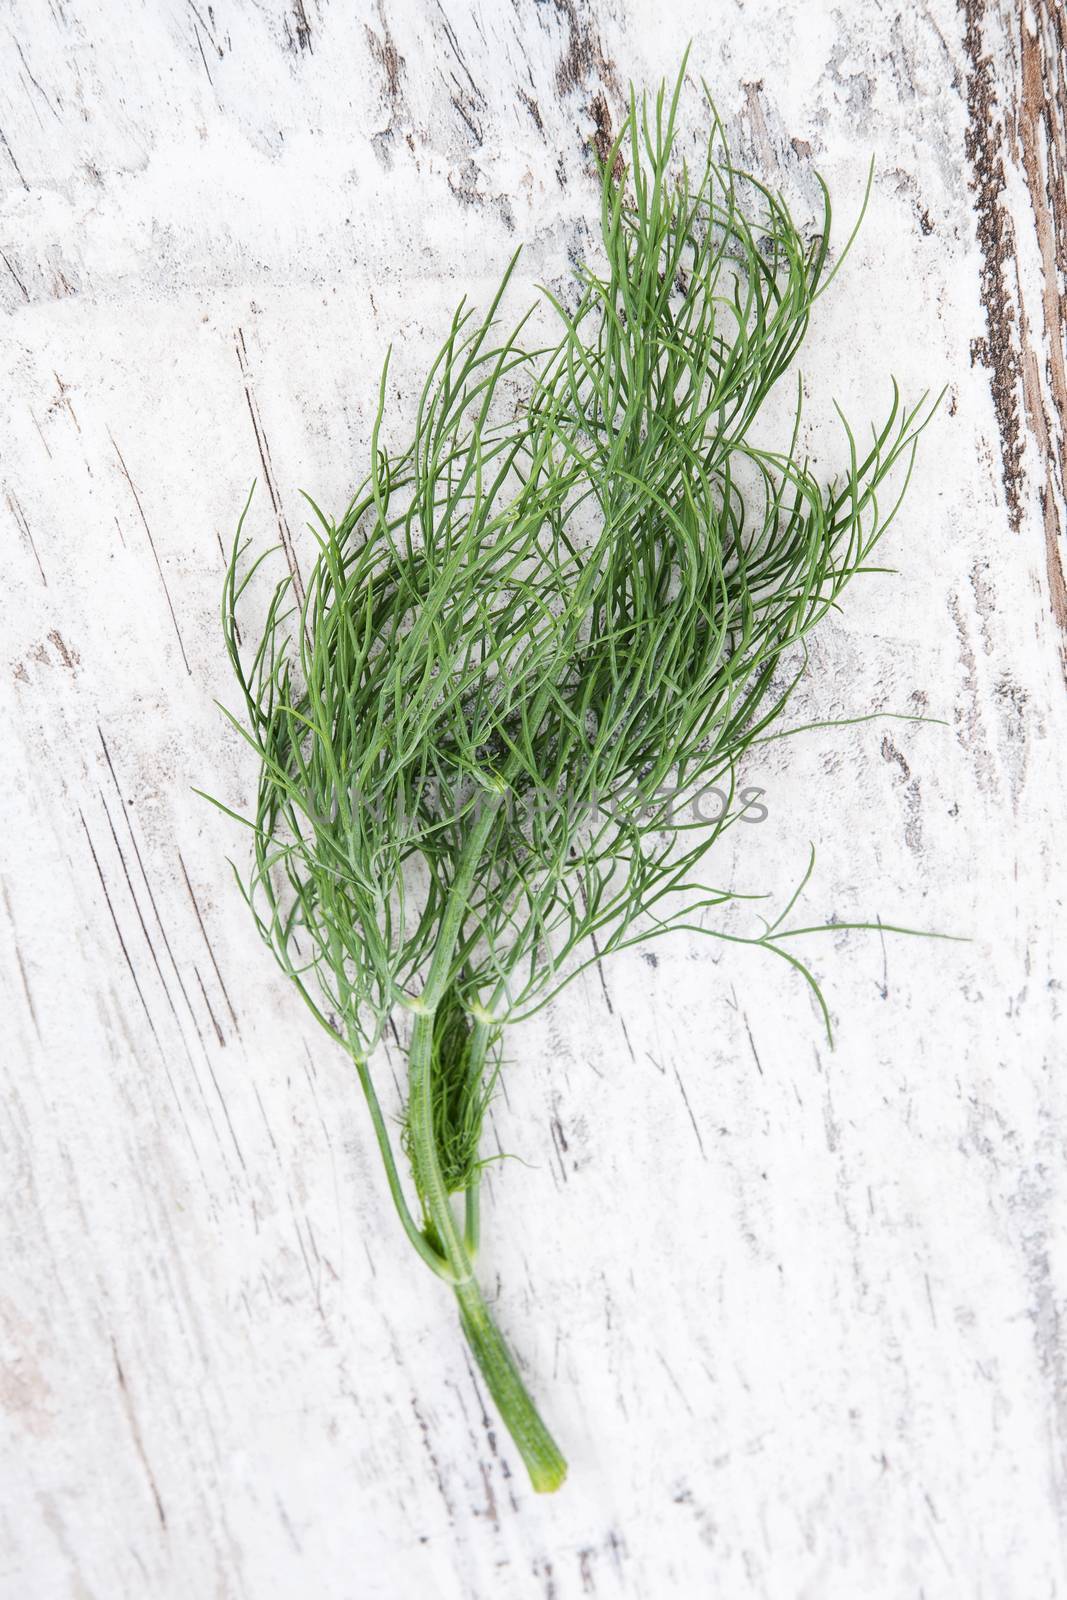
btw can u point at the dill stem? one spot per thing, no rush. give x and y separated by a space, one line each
425 1249
479 1044
540 1453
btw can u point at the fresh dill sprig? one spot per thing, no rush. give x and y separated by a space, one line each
536 632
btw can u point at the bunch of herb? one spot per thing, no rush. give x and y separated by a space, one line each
577 597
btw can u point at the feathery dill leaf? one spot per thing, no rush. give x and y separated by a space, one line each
560 613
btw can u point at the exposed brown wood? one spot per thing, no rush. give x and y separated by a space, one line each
1017 106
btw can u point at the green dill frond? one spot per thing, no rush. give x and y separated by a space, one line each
562 613
570 603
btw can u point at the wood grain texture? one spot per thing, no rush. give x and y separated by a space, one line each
796 1315
1017 140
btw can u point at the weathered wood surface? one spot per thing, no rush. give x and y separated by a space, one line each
795 1315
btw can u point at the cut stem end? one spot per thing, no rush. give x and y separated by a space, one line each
540 1453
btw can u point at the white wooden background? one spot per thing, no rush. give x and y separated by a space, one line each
795 1316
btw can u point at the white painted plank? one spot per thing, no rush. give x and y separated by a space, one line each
794 1315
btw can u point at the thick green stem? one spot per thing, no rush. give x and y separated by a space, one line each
423 1150
535 1444
431 1257
542 1456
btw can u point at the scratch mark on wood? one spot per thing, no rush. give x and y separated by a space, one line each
390 60
457 52
14 274
11 158
163 981
607 994
314 1278
752 1044
63 399
33 80
155 908
207 23
220 1036
20 518
283 1517
462 104
18 958
140 992
144 875
674 1381
118 930
155 959
40 431
585 1569
543 1568
155 552
533 108
424 1429
268 473
303 29
930 1298
883 987
266 1121
138 1442
203 57
559 1142
207 942
689 1108
603 981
